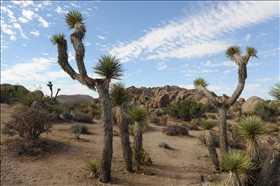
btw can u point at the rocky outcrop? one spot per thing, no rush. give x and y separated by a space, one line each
158 97
251 104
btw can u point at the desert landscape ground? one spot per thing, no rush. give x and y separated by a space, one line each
64 162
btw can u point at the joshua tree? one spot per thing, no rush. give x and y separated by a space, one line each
251 128
139 115
208 124
120 95
225 103
108 67
240 169
50 85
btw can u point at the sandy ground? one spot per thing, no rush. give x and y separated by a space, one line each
65 163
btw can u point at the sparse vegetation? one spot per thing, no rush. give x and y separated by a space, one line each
175 130
29 124
78 130
164 145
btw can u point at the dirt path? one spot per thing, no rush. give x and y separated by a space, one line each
64 164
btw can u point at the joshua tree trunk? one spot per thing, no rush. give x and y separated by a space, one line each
138 136
105 167
127 154
223 129
210 142
271 167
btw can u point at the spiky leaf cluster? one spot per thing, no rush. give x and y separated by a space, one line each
72 18
251 51
139 114
232 50
275 91
57 38
119 94
201 82
238 163
92 166
109 68
250 127
207 124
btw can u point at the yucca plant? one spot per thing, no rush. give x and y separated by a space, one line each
109 68
208 124
239 167
250 128
119 95
92 166
139 115
72 18
200 81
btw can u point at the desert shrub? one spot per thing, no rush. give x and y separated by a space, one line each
82 117
174 130
159 112
266 111
164 145
19 107
66 115
155 120
142 157
92 166
82 129
248 113
29 124
185 110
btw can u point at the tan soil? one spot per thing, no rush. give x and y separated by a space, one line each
64 163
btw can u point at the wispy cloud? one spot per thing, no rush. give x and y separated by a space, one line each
188 38
100 37
161 66
36 69
59 10
35 33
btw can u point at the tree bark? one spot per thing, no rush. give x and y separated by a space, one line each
105 167
127 154
223 129
271 166
210 142
138 136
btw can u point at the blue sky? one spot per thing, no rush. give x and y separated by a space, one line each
159 43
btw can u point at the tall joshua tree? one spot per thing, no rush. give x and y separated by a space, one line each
120 95
108 67
223 104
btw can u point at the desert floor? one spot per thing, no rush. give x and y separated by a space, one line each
63 163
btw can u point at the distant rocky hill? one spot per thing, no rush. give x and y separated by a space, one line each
74 98
157 97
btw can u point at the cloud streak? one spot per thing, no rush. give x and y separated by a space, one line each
188 37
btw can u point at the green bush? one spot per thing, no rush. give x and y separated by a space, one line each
266 111
185 110
142 157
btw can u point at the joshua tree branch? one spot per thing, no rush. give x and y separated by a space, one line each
208 94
